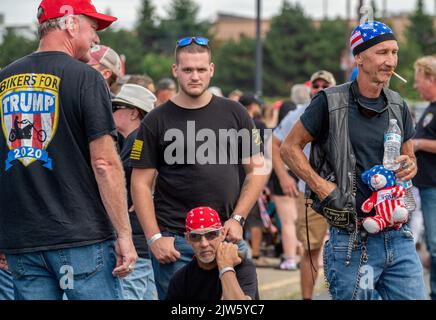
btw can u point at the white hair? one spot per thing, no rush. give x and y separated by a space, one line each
300 94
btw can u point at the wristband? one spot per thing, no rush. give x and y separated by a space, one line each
226 269
154 238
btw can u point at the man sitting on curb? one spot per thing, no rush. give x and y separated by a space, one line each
216 272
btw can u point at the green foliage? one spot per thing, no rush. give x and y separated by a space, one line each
147 27
14 47
235 65
182 21
125 42
289 58
421 30
157 66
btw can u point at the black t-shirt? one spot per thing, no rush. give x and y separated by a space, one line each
190 175
284 109
366 134
193 283
53 106
138 234
426 129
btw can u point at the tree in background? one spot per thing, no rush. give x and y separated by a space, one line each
421 30
125 42
288 54
235 65
14 47
182 21
147 27
420 40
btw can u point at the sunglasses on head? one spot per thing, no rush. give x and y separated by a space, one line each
201 41
210 235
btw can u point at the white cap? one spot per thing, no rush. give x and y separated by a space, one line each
133 95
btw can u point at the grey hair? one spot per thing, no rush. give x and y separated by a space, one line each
55 24
300 94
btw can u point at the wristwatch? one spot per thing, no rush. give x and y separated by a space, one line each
238 218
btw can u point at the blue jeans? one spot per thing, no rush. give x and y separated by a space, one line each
164 272
393 270
6 286
82 273
139 285
428 205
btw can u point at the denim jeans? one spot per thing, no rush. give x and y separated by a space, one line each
6 286
139 285
393 270
164 272
82 273
428 205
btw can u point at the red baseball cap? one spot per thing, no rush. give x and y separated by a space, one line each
51 9
202 218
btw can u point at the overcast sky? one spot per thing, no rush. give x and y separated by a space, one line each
19 12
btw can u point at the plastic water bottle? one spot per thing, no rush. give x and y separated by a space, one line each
392 144
409 199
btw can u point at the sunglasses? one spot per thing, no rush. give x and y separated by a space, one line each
210 235
201 41
117 107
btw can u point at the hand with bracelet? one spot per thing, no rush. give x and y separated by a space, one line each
227 257
163 248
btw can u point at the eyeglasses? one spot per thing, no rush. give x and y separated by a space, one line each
210 235
201 41
117 107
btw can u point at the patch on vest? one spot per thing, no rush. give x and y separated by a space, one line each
337 218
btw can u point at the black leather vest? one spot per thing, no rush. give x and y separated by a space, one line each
334 159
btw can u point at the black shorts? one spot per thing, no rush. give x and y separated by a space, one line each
254 219
277 189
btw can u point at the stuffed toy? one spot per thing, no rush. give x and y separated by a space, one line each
386 198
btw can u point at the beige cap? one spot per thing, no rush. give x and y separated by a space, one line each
324 75
106 56
133 95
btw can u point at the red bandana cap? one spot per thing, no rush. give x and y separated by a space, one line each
202 218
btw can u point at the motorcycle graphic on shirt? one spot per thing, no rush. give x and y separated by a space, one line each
29 117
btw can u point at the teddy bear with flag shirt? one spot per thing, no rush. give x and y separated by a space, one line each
387 199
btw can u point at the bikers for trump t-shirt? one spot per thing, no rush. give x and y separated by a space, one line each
52 107
197 153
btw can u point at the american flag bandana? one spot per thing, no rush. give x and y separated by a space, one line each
369 34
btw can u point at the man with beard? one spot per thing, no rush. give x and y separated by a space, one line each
216 272
193 143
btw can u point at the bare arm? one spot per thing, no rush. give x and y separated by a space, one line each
255 179
287 183
426 145
141 187
408 168
292 154
227 256
110 178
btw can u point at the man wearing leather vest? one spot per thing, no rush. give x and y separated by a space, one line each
346 125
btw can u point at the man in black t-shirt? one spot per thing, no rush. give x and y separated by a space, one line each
424 144
358 265
216 272
195 142
61 181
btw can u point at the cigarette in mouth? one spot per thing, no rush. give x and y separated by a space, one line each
399 77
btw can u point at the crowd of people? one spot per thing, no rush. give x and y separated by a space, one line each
123 188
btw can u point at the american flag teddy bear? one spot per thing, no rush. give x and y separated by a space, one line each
386 198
